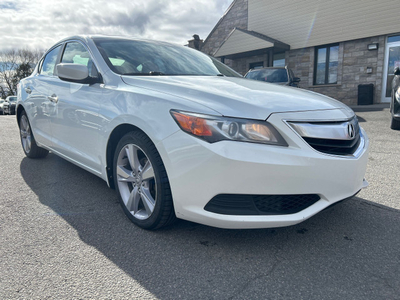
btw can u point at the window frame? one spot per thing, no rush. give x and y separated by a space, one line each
256 65
276 60
60 54
327 62
40 64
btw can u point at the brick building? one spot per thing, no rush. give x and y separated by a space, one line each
333 46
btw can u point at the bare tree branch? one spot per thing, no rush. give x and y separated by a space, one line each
10 62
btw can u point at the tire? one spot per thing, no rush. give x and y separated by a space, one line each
142 183
395 124
31 149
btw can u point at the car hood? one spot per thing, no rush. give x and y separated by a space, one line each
237 97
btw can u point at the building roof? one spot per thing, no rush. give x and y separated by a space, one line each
317 22
241 41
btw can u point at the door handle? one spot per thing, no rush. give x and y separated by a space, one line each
53 98
28 90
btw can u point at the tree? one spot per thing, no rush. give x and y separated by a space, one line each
22 71
15 65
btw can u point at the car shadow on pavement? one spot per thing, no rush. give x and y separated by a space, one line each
361 119
373 107
349 251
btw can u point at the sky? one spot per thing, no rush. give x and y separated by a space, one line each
38 24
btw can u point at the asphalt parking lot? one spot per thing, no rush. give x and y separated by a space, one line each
64 236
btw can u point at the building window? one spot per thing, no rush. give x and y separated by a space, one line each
326 64
279 60
393 39
256 65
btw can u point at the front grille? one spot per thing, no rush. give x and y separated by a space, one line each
230 204
336 138
335 147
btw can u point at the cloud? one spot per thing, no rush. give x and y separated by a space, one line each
41 23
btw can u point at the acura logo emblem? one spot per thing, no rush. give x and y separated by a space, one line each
350 130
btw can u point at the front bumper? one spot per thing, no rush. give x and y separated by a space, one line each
199 171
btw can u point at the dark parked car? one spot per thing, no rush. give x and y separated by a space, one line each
277 75
395 101
9 105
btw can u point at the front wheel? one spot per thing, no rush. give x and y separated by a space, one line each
31 149
142 183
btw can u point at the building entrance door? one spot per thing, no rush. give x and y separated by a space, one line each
392 60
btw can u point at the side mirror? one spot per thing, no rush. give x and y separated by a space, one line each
396 71
296 79
75 73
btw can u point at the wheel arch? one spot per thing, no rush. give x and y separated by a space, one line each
18 112
117 133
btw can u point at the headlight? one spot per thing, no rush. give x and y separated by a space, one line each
214 129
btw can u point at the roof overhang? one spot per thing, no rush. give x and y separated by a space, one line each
240 43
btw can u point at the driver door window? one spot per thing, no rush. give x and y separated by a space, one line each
76 53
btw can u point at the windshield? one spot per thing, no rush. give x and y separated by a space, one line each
130 57
268 75
12 99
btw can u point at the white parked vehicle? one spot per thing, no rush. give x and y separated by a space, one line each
179 134
9 105
1 106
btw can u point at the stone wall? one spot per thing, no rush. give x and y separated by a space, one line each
241 65
354 58
237 16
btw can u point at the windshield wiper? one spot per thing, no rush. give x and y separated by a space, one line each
155 73
222 75
151 73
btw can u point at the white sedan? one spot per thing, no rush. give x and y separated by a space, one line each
180 135
1 106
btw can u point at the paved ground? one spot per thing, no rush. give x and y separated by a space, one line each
64 236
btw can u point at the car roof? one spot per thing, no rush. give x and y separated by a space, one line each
85 38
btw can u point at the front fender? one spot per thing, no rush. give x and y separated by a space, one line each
149 111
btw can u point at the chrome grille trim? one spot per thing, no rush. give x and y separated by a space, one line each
334 134
361 146
326 130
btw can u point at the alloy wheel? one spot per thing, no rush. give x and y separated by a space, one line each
136 181
26 134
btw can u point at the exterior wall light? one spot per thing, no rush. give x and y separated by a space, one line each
373 46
